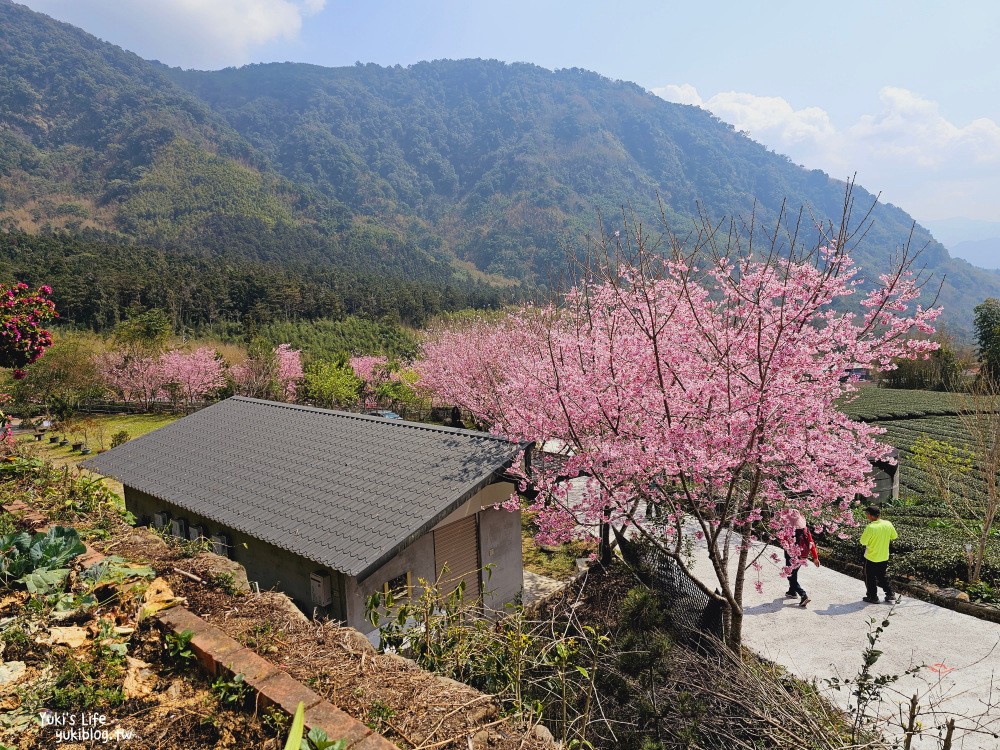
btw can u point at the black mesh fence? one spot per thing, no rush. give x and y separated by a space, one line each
695 617
693 613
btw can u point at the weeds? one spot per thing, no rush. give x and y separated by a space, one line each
15 642
231 692
378 715
543 671
179 648
190 547
259 635
226 582
84 684
275 720
867 687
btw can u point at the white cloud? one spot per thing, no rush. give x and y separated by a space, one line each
907 149
684 93
189 33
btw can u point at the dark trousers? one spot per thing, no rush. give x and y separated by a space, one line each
875 575
793 579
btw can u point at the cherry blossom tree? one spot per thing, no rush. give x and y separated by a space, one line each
383 381
269 373
23 340
695 386
192 375
372 370
133 377
289 369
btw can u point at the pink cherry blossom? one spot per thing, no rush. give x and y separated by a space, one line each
195 375
697 397
272 374
289 369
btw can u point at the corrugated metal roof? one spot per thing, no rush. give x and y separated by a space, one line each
344 490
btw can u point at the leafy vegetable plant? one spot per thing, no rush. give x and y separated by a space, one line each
39 562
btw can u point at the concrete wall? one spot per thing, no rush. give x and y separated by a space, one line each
271 567
886 483
499 546
417 559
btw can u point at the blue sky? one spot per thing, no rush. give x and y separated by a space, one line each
905 94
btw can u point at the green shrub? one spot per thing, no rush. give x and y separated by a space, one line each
119 438
983 592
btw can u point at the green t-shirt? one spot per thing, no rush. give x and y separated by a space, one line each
876 538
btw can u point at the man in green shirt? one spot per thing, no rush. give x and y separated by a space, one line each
876 537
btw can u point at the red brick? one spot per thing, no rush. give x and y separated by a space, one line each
373 742
247 663
215 649
220 653
336 723
281 690
210 645
90 557
179 619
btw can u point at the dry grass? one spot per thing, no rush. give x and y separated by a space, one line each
409 706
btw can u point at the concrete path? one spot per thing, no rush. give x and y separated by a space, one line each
537 587
961 653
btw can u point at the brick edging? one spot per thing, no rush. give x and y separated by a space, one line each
220 654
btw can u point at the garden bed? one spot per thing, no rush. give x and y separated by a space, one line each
79 653
389 694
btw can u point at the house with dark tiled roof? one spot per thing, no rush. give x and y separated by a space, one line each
330 506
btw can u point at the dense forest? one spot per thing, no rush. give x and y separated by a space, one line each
441 172
98 284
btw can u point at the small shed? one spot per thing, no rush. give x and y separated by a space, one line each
886 476
330 506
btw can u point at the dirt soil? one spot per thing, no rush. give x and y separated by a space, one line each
407 705
171 708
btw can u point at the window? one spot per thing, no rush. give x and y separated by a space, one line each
400 586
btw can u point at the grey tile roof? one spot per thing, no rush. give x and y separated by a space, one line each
343 490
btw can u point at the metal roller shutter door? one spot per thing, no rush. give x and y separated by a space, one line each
457 546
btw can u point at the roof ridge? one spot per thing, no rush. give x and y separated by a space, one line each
401 422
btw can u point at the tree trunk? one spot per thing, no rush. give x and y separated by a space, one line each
734 631
605 547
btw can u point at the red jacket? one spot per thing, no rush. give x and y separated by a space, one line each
806 546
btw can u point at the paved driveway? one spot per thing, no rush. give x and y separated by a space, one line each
827 639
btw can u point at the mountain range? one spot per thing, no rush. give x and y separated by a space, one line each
976 240
446 172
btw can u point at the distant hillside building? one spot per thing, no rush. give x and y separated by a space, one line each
329 506
886 476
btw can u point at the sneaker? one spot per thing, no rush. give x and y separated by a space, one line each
869 600
790 595
805 601
892 599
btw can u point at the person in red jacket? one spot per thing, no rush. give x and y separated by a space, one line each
805 549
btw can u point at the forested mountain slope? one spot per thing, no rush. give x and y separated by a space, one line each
414 171
94 137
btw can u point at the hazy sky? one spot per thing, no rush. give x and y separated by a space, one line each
905 93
